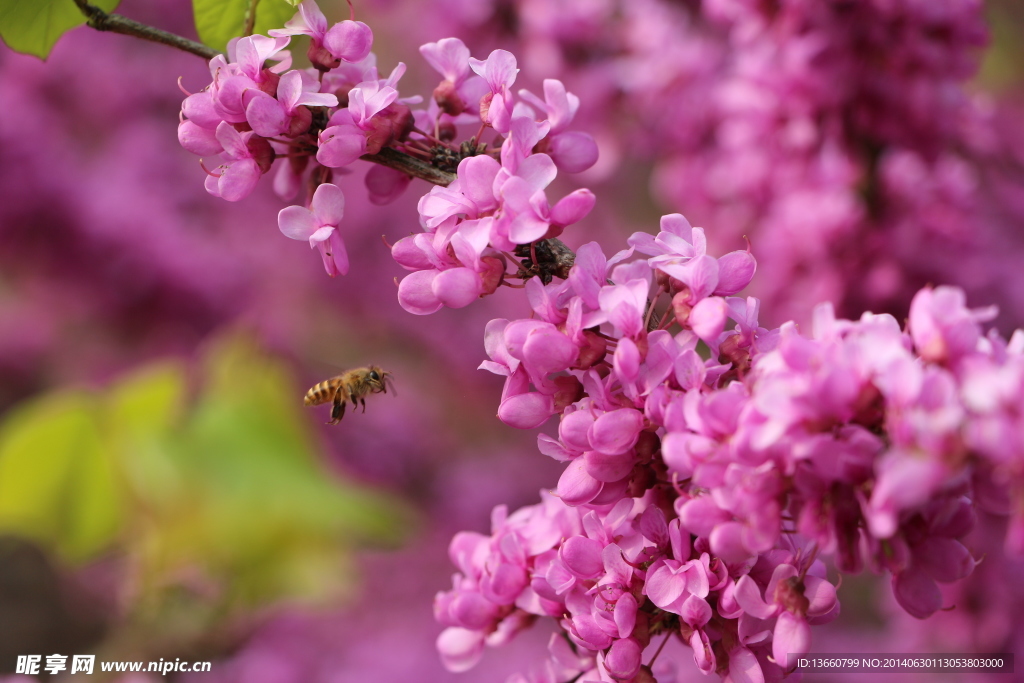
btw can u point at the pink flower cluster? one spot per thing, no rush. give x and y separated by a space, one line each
838 136
711 464
327 117
708 468
494 204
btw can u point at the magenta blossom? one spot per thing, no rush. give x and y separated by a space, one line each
246 157
319 225
289 112
348 41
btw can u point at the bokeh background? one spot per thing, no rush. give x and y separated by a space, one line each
163 494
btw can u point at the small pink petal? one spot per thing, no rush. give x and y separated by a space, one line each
456 287
573 207
609 468
199 109
328 204
943 559
265 115
735 271
574 151
623 659
821 596
408 254
321 234
416 295
616 431
916 593
547 350
498 70
575 486
665 585
460 649
239 180
625 614
582 556
748 595
349 41
689 369
526 411
341 145
743 667
198 140
472 611
696 611
792 638
708 318
334 254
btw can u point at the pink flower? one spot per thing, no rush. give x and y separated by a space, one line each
243 72
792 598
942 326
573 152
499 71
363 127
458 90
247 156
348 41
319 225
288 112
342 142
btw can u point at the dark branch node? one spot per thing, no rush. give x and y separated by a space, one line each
554 259
408 164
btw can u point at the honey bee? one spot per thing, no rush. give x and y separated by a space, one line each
352 386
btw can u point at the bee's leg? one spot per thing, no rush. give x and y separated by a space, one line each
337 411
363 401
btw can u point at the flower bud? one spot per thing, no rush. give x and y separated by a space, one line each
261 152
448 99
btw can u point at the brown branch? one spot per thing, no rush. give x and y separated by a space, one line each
115 23
101 21
553 256
410 165
250 17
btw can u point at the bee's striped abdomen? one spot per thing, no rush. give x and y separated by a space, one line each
321 393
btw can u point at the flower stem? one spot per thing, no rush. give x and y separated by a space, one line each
660 648
250 17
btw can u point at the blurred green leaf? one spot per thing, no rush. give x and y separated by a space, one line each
264 503
33 26
57 483
218 21
221 489
141 411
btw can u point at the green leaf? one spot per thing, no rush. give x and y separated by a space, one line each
217 481
253 505
141 411
33 26
218 21
57 481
